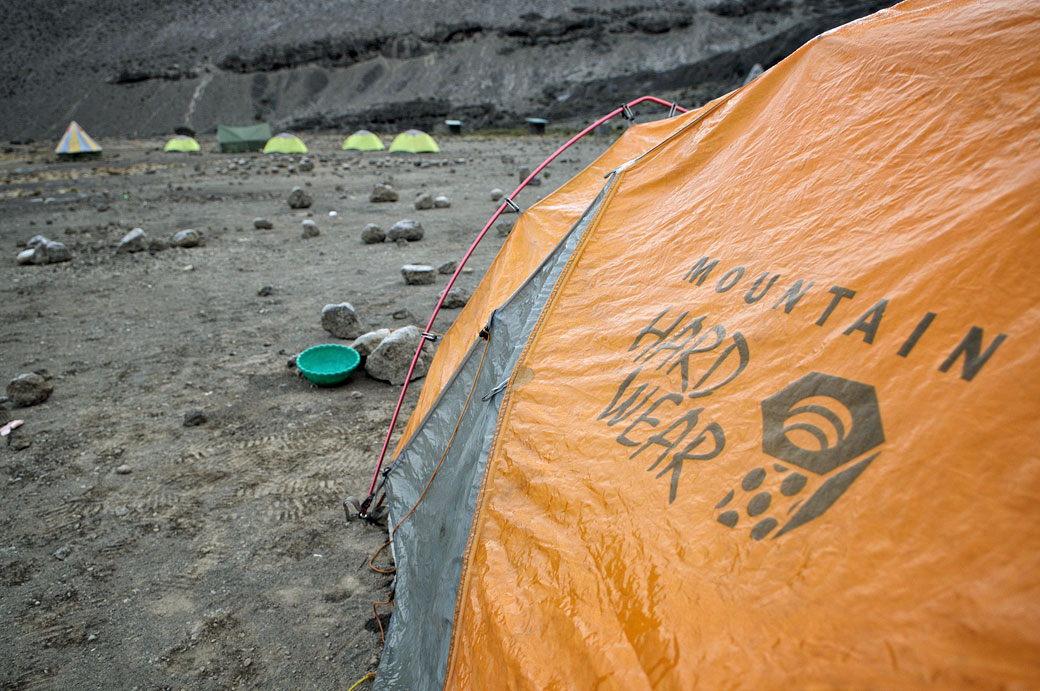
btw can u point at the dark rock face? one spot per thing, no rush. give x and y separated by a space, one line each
271 61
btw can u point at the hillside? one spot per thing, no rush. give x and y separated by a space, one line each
139 69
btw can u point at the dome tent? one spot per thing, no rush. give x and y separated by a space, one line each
738 428
363 140
182 143
285 143
415 142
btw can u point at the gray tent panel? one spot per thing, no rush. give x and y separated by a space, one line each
430 545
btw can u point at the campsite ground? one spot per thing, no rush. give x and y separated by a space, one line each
138 552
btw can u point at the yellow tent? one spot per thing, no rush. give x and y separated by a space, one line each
415 142
76 141
764 414
183 144
285 143
363 140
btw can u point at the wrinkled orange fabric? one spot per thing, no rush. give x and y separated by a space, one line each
532 238
830 279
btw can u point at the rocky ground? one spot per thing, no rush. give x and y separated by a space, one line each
141 69
172 511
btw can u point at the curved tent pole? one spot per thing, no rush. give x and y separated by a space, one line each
625 109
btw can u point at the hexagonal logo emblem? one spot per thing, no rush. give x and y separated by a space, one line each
812 429
821 422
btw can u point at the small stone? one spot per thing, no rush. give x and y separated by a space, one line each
447 268
424 201
57 252
372 234
124 469
36 241
299 199
441 202
366 343
18 441
27 256
503 228
341 320
194 418
524 172
403 314
262 224
357 395
497 194
418 274
306 166
157 245
406 229
401 242
392 358
28 389
134 241
383 193
456 299
186 238
62 553
265 291
310 229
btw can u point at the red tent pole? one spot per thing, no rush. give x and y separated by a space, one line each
480 236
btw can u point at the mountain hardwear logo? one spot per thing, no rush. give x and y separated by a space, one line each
820 423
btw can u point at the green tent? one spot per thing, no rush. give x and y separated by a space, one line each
285 143
249 138
414 141
363 140
182 143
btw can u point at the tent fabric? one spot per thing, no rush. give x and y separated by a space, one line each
533 236
234 139
414 142
182 144
766 416
285 143
76 141
363 140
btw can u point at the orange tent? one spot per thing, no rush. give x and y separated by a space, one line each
765 415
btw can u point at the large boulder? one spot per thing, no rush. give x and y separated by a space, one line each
310 229
372 234
456 299
186 238
406 229
341 320
57 252
366 343
134 241
383 193
418 274
391 359
29 389
299 199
